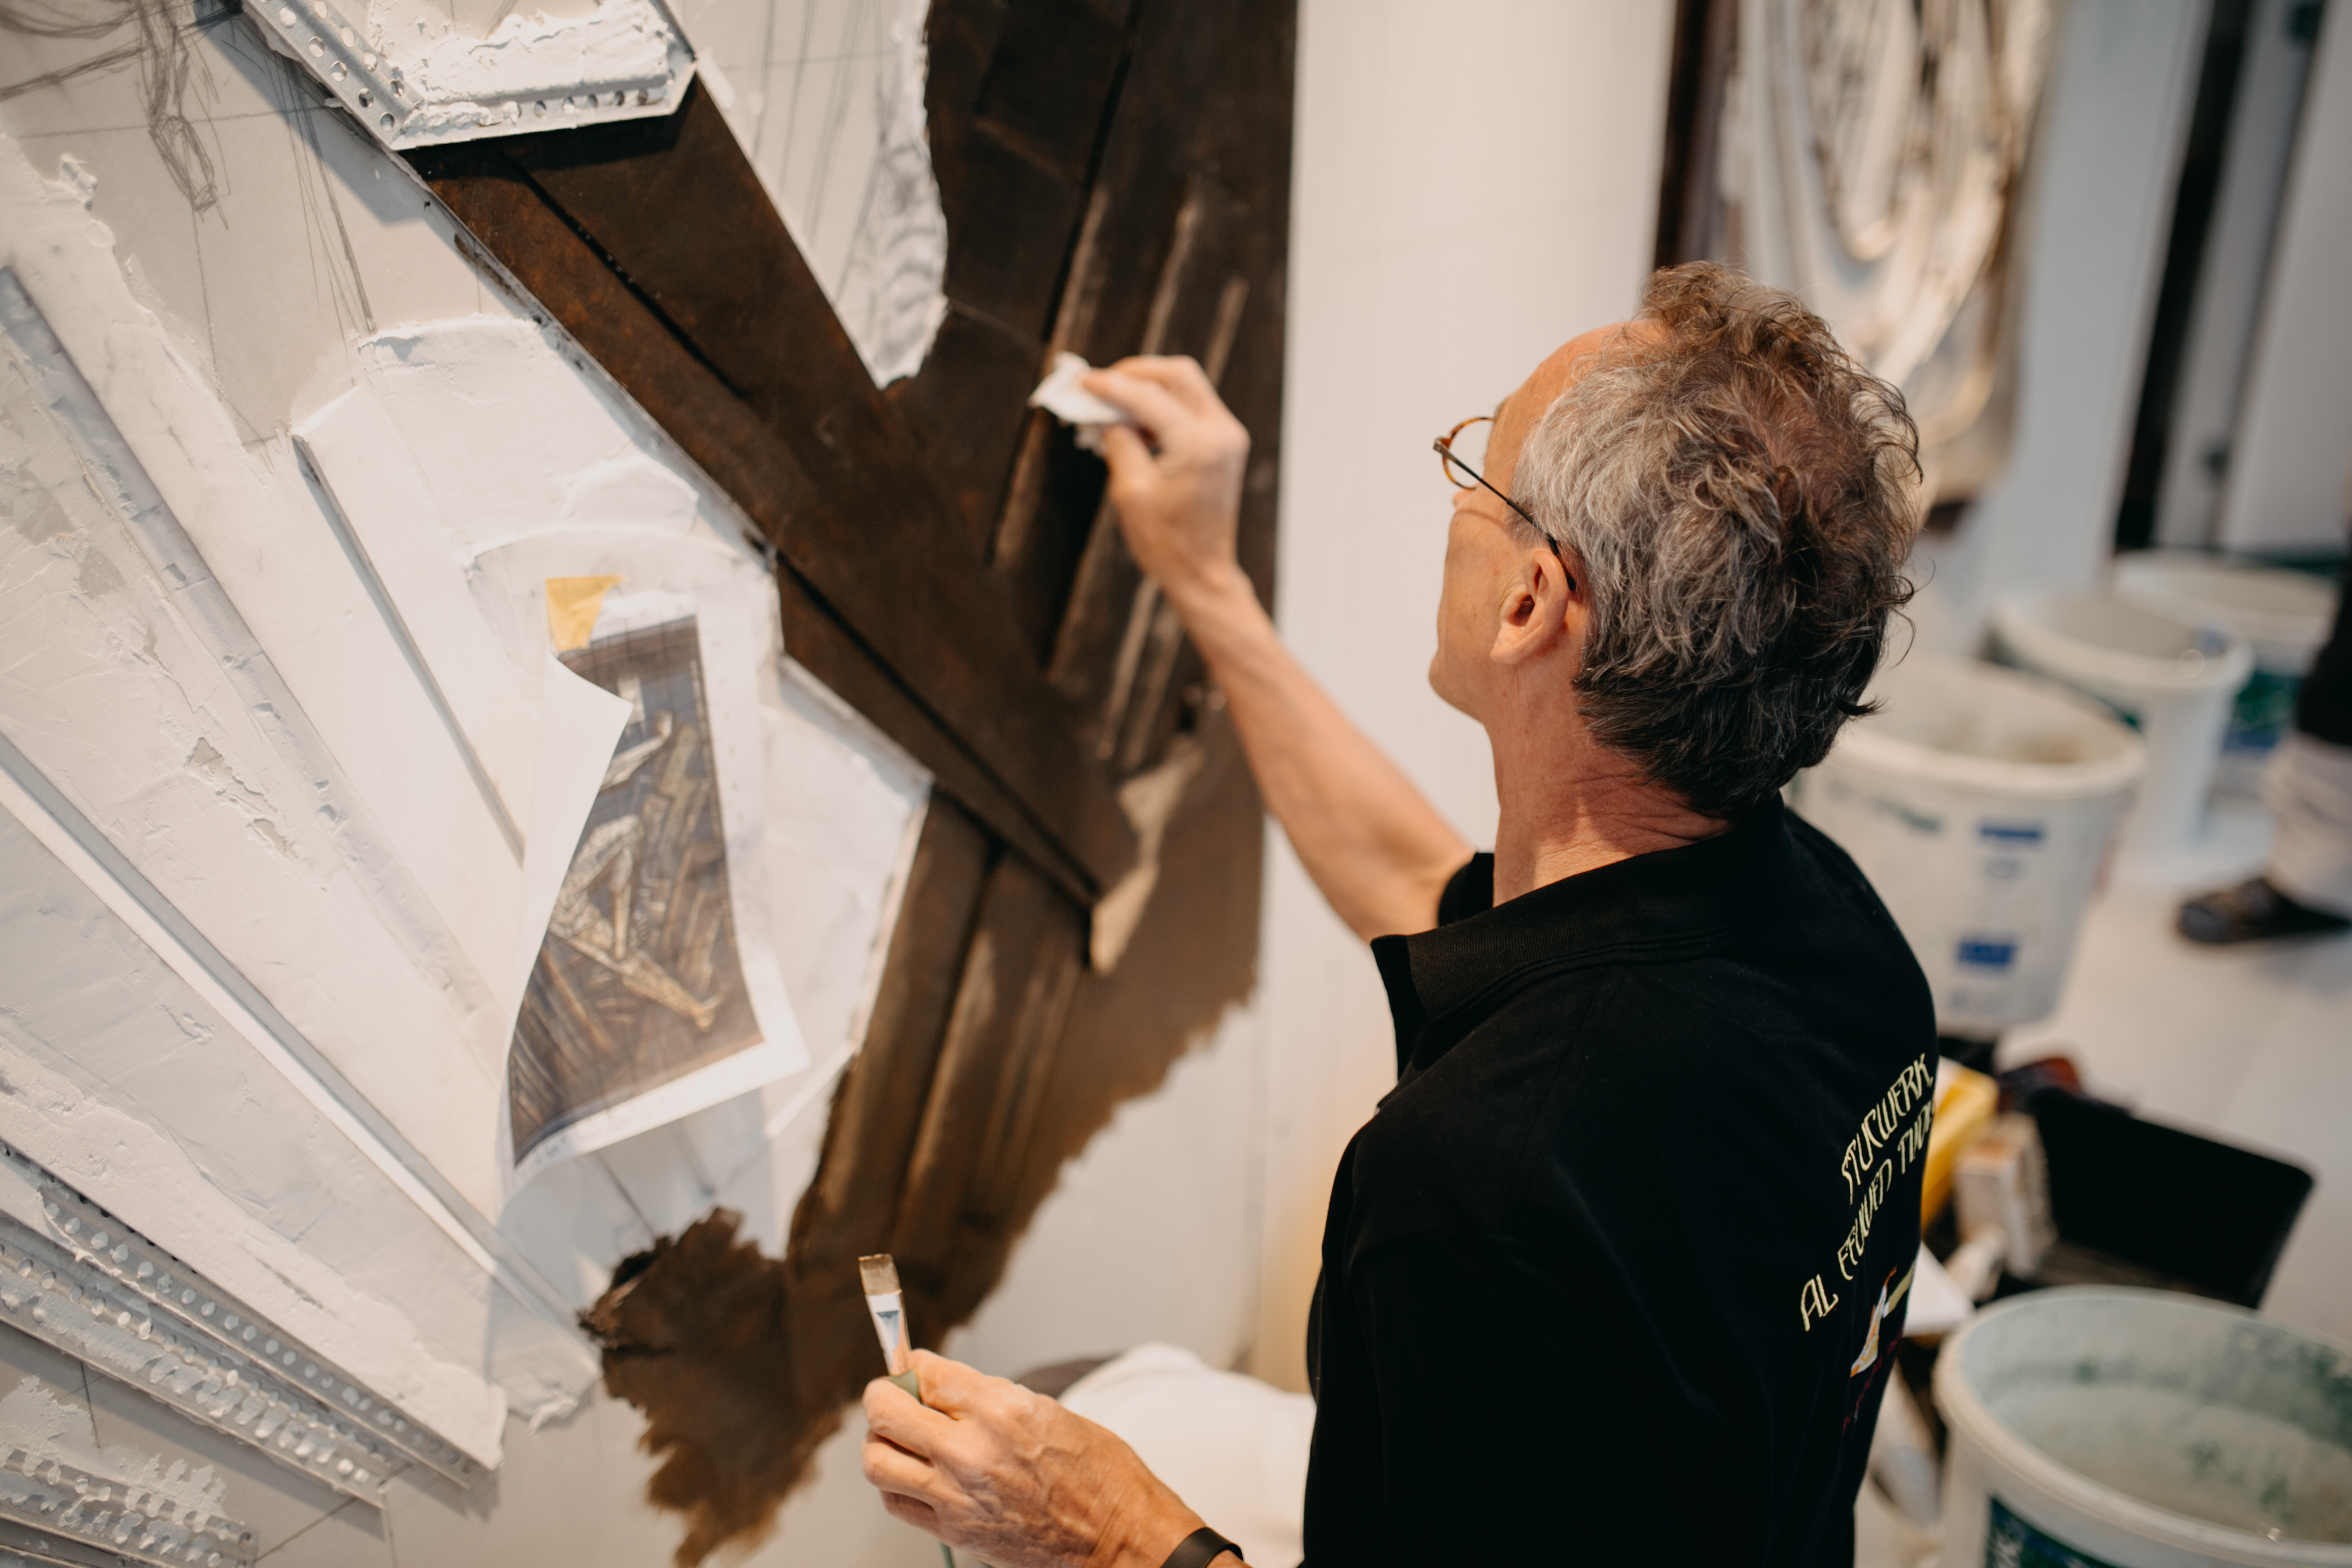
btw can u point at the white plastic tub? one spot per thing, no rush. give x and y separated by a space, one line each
2170 681
2116 1428
1979 802
2283 614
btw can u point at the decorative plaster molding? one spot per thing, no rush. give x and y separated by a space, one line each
408 75
53 1511
93 1288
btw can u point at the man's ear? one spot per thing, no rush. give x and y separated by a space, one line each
1537 603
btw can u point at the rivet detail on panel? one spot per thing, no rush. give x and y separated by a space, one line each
65 1505
151 1322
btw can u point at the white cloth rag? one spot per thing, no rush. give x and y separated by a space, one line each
1061 396
1232 1448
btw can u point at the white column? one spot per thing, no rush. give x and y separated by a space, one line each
2097 215
2287 467
1476 183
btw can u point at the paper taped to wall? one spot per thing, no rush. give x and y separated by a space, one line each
642 1003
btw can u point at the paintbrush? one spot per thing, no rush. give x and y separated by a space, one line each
879 1275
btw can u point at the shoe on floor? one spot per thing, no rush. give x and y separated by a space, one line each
2252 911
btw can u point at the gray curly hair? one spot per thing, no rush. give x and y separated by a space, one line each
1742 495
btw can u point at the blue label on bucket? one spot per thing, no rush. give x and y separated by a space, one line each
2263 710
1987 952
2009 832
2011 1543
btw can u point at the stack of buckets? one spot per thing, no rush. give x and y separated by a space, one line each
2171 682
1981 801
2283 617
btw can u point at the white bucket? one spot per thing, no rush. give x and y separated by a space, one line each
2283 614
2172 682
2114 1429
1978 801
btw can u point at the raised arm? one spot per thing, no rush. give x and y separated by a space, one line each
1372 842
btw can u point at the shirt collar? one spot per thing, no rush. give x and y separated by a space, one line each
1650 909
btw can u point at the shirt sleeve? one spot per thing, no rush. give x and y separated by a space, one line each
1524 1421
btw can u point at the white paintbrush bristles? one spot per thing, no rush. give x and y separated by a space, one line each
880 1276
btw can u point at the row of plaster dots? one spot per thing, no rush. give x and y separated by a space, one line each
116 1261
142 1522
328 1382
198 1375
291 19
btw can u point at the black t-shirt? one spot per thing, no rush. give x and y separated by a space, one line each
1615 1273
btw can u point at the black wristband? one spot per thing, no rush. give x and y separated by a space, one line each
1200 1549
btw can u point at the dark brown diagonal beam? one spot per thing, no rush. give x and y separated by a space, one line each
661 254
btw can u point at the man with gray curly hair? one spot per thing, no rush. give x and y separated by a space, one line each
1617 1270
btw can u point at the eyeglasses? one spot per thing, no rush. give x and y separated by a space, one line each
1464 477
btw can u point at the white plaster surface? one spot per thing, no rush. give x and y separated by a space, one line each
414 74
269 208
127 603
527 67
826 98
126 1082
269 263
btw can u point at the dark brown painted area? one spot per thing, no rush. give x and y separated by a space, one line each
693 1336
1115 178
1706 35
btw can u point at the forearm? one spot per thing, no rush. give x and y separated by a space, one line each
1370 840
1380 852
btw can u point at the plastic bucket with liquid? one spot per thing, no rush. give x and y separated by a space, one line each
1979 802
2117 1428
2283 614
2173 682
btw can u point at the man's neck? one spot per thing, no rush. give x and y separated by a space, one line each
1563 814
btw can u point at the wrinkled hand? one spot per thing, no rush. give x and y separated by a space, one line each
1012 1476
1178 507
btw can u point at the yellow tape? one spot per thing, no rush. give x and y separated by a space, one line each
572 604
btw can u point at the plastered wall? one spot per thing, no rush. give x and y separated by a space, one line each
234 267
